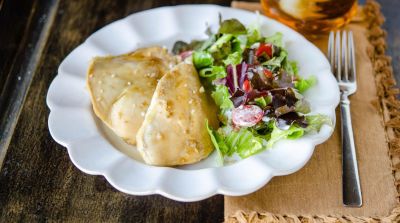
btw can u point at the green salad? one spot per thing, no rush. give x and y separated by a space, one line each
257 88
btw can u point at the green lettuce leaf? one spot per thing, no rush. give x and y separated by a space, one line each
276 61
218 141
233 58
253 32
244 143
315 122
221 97
294 132
260 102
304 84
239 43
302 106
263 129
263 101
202 59
275 39
291 67
232 26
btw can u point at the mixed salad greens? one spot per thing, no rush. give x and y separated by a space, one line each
256 87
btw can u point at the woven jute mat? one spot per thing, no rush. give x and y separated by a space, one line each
314 193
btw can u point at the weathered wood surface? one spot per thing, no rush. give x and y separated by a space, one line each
390 10
38 182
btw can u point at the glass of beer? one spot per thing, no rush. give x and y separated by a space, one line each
311 16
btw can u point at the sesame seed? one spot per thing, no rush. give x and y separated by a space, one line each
201 90
194 91
185 85
129 83
100 82
153 74
112 75
142 114
190 101
158 136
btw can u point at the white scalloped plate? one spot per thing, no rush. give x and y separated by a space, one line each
94 150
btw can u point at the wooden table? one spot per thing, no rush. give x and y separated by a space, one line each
38 182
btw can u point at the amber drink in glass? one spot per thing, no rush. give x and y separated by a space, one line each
311 16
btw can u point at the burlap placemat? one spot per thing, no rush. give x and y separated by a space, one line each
314 193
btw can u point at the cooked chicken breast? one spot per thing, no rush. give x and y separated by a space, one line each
174 130
121 87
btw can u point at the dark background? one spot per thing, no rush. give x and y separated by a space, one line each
38 182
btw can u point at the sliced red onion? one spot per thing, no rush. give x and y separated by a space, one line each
241 76
186 54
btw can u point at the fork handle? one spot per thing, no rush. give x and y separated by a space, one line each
351 181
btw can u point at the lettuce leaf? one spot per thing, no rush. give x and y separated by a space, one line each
315 122
253 32
244 143
181 46
294 132
304 84
232 26
276 61
302 106
233 58
221 97
291 67
253 36
275 39
218 141
247 142
263 101
239 43
202 59
260 102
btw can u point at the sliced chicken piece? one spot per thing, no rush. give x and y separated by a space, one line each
121 87
174 129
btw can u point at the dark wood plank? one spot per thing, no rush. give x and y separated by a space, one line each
39 182
22 42
390 10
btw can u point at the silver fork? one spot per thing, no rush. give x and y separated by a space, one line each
343 65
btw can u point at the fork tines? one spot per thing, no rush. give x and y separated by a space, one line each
341 55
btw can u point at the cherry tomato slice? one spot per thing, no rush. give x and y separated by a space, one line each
267 73
246 86
264 48
247 115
